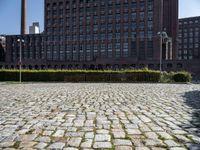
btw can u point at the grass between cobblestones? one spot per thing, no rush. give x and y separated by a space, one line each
16 145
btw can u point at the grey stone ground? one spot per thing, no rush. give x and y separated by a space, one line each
100 116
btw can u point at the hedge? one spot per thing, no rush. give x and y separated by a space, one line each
81 76
182 76
94 76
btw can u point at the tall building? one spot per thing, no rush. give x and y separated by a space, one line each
102 34
110 31
35 28
189 39
2 48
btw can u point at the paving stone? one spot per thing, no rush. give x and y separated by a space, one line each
87 143
123 148
74 134
102 145
131 126
133 131
179 132
71 129
102 137
74 141
165 135
44 139
118 135
57 145
86 115
158 148
171 143
122 142
79 123
59 133
29 137
6 144
70 148
41 145
151 135
177 148
47 133
183 138
153 142
27 144
89 123
89 135
194 138
102 131
156 129
145 129
137 142
142 148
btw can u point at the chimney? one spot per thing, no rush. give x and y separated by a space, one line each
23 17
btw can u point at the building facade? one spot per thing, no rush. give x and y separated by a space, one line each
101 34
33 50
109 30
189 39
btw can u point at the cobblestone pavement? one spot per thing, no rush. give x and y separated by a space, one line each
100 116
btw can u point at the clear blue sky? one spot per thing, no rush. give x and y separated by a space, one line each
10 13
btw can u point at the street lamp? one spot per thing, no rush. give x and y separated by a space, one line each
20 59
163 36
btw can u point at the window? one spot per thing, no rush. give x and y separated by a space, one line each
117 50
110 50
125 50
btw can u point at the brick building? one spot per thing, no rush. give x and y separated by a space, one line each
33 50
189 39
89 34
109 30
100 34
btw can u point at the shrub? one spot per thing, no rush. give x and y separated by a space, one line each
182 77
167 77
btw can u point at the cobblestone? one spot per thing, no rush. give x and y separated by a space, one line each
74 141
41 145
89 135
87 143
102 137
102 145
57 145
171 143
99 116
59 133
122 142
123 148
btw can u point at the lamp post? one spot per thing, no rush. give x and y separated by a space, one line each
163 36
20 59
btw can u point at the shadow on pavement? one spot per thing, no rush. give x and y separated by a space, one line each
192 99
